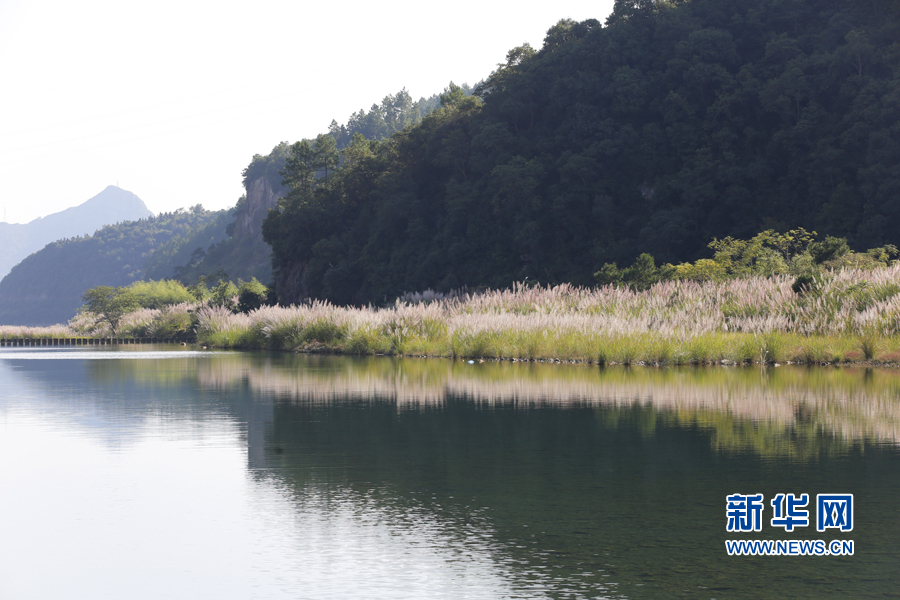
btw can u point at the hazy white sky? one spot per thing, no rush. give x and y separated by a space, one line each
171 99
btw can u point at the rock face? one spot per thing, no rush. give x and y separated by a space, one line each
261 198
241 253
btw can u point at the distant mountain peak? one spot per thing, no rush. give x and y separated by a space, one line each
112 205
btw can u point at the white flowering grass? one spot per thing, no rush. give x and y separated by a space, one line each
23 332
851 314
848 315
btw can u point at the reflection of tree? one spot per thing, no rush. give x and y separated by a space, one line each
571 470
582 488
773 412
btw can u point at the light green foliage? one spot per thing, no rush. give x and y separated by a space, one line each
704 269
109 305
224 294
199 291
770 253
157 294
767 253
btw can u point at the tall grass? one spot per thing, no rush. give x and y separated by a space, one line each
20 332
851 315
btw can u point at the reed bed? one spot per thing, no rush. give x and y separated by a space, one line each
22 332
851 315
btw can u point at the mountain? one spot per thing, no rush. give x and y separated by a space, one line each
112 205
46 287
671 124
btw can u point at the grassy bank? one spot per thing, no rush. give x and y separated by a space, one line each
847 316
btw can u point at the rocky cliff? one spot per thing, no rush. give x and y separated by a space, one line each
237 249
260 199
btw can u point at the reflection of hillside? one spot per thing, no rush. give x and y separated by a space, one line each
580 489
781 411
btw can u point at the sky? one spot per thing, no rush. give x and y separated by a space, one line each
171 99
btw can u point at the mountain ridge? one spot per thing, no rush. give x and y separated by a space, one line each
110 206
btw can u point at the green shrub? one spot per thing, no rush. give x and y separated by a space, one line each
157 294
252 295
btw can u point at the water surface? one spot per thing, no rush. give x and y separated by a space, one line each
182 474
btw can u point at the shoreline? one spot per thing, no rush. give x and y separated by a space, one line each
317 348
323 349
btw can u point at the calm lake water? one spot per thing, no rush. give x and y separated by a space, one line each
170 473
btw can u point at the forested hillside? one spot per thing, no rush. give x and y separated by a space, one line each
46 287
112 205
675 123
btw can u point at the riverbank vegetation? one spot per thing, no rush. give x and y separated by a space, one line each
771 299
819 304
777 297
849 316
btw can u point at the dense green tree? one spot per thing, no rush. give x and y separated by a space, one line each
252 295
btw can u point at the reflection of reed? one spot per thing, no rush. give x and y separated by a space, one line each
852 405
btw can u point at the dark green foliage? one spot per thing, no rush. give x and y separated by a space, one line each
215 249
252 295
804 283
395 113
609 274
244 254
199 290
180 256
46 287
828 249
642 274
677 123
224 294
268 167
